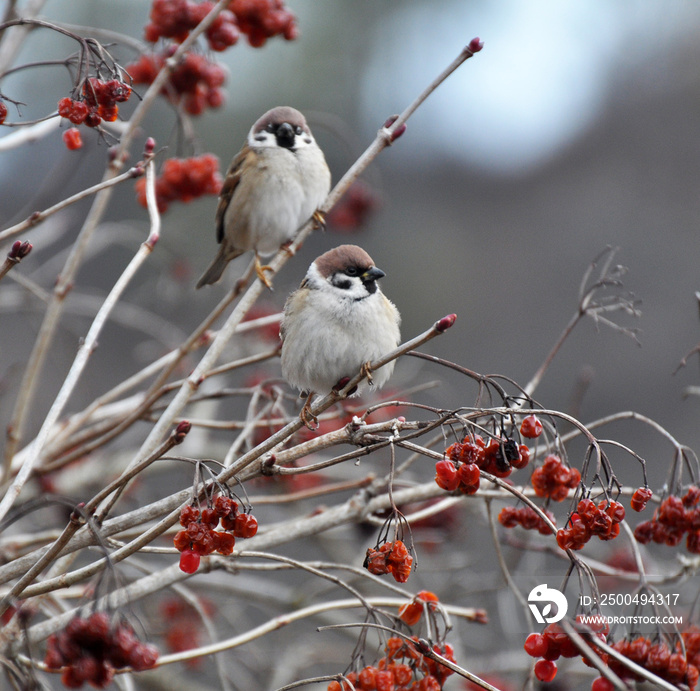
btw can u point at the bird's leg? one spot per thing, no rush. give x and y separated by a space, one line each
306 416
260 271
319 219
366 371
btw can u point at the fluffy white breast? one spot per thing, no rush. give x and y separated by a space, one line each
327 337
280 195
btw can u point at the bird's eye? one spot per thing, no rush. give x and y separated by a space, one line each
270 128
351 271
298 130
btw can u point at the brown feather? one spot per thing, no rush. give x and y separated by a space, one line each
342 257
233 177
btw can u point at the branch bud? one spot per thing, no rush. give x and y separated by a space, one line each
149 146
445 323
78 513
181 431
20 249
475 45
398 131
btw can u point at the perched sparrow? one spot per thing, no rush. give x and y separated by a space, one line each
336 324
274 185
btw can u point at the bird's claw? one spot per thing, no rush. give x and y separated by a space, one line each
366 371
319 219
308 418
260 270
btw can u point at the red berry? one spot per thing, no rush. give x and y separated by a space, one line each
523 457
508 517
224 543
375 562
246 525
3 112
189 561
545 670
118 91
531 427
403 674
92 119
658 658
188 514
535 645
65 107
209 517
446 475
693 542
410 613
469 474
644 532
691 497
78 113
109 113
640 498
602 684
224 505
72 139
367 677
182 541
384 681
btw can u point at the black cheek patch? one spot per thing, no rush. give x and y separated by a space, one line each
342 283
371 286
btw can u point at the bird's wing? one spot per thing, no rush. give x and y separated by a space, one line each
233 177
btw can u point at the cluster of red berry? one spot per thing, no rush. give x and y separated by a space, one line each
391 557
98 102
183 179
403 668
200 536
554 643
195 82
176 18
3 112
464 477
258 19
463 460
675 517
657 658
91 649
526 517
553 479
411 612
589 520
263 19
675 667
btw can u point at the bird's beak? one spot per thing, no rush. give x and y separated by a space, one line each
372 274
285 135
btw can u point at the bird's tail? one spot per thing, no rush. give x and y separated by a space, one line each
216 269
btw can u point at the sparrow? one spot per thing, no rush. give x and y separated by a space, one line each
335 324
274 185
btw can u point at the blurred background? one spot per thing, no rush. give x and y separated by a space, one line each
576 128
